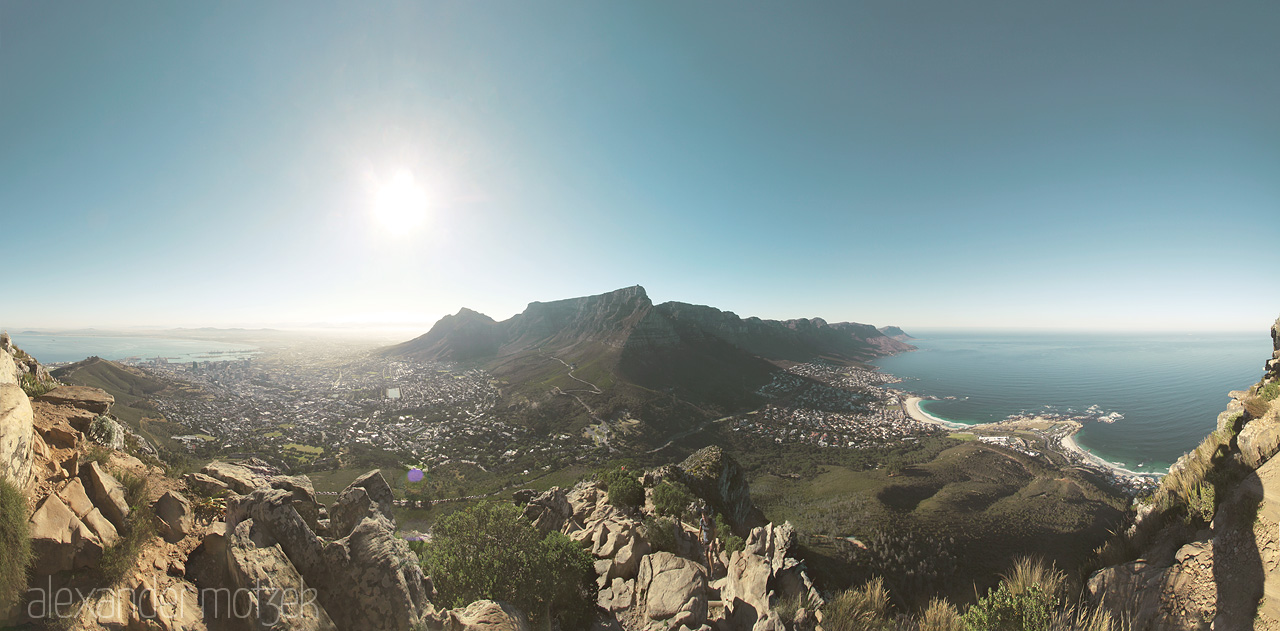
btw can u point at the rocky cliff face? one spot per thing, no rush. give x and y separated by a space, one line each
16 416
1207 547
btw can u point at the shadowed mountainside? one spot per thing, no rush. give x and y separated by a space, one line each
693 351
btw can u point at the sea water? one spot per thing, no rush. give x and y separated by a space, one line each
53 348
1148 397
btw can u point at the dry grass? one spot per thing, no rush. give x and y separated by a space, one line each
941 615
864 608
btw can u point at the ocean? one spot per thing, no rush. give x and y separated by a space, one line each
1162 392
53 349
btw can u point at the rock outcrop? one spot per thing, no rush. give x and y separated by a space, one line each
1225 576
643 588
367 578
717 478
16 416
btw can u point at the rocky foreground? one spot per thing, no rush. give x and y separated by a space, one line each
240 545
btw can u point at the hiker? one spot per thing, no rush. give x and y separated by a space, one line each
708 537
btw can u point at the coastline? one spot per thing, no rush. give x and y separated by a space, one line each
1066 445
913 409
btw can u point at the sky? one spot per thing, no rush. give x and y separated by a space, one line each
1095 164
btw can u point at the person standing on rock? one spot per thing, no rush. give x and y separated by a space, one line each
708 538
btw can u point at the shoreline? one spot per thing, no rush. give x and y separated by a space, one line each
1066 445
912 406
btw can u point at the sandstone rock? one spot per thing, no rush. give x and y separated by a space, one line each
368 496
669 585
60 541
206 485
78 418
626 563
486 615
102 527
268 586
106 492
175 515
1260 439
16 435
243 477
550 510
74 496
368 579
112 610
94 400
57 432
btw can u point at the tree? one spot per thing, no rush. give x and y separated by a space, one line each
489 551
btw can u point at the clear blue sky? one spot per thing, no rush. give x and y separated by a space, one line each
1057 164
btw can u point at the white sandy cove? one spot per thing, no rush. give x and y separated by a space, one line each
912 406
914 410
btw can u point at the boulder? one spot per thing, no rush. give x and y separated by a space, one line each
267 585
367 579
626 563
671 587
102 526
1260 439
484 615
106 492
242 477
74 496
368 496
175 516
206 485
16 435
550 510
60 541
75 417
57 431
94 400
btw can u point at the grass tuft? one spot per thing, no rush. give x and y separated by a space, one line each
15 543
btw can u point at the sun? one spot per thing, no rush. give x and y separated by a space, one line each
400 204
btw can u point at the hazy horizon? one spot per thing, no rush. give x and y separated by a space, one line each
1084 166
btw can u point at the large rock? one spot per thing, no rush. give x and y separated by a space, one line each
368 579
368 496
60 541
94 400
106 492
267 585
716 477
1260 439
549 510
206 485
176 517
483 615
672 589
243 477
16 435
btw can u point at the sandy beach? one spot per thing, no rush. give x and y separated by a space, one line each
1068 443
912 406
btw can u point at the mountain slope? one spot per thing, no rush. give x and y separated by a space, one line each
694 352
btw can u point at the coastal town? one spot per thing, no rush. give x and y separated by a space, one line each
309 407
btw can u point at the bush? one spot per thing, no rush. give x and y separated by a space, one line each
863 609
34 387
941 615
490 551
139 528
1201 503
661 533
671 499
15 543
729 542
625 491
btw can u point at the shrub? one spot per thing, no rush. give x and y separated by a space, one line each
625 492
106 432
1201 502
490 551
15 543
941 615
863 609
34 387
671 499
729 542
139 527
661 533
1003 610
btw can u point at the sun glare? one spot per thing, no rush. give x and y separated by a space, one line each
400 205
